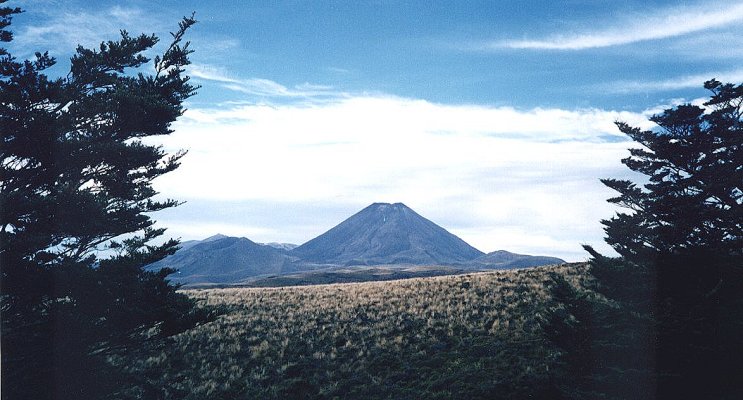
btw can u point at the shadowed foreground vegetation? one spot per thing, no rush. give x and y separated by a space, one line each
479 335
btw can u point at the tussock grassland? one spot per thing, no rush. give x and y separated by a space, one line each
479 335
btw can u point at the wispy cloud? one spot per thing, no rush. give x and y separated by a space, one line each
259 86
681 82
339 70
627 29
61 31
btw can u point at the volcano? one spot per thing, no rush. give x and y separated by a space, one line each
384 233
392 237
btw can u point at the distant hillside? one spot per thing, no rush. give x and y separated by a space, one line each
190 243
502 259
222 259
281 246
385 233
352 274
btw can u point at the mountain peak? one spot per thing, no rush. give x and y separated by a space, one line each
387 211
215 237
388 205
385 233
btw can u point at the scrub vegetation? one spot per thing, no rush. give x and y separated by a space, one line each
466 336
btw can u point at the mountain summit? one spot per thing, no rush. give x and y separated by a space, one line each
384 233
223 259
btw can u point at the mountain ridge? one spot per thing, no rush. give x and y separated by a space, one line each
224 260
381 234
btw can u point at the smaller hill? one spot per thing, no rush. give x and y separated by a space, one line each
502 259
189 243
222 259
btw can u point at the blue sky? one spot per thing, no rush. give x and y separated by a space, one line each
494 119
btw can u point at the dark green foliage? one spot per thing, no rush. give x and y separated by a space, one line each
700 322
694 195
75 179
671 327
607 345
676 293
607 351
684 240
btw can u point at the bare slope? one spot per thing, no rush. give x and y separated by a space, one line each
384 233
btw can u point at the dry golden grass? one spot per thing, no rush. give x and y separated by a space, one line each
473 334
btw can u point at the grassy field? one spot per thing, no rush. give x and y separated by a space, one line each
479 335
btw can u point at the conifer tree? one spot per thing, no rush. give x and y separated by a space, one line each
680 274
76 179
694 195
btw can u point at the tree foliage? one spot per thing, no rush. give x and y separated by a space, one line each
694 195
679 281
606 341
76 179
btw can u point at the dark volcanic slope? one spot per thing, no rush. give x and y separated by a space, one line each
222 260
386 234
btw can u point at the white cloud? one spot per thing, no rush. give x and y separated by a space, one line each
189 230
492 175
681 82
61 30
660 24
259 86
211 73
